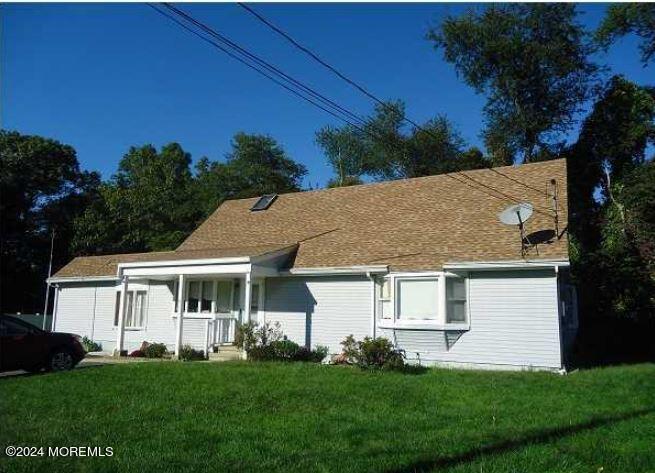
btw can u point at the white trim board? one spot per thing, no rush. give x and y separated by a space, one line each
503 265
53 280
326 271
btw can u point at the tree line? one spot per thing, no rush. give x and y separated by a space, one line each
537 68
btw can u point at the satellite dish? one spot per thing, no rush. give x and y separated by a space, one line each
516 214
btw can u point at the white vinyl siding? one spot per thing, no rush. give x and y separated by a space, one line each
513 322
320 310
77 313
513 317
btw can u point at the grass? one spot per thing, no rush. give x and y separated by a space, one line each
298 417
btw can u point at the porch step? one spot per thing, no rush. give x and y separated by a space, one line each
226 353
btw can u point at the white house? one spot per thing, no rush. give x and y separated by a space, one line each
424 262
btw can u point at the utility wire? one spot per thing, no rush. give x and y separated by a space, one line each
234 56
352 82
306 89
315 56
270 67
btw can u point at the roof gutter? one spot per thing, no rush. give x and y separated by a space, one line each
504 265
326 271
55 279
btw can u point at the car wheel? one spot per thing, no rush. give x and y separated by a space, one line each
61 360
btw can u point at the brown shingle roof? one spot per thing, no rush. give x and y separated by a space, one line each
409 224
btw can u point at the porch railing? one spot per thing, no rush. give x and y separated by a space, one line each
221 330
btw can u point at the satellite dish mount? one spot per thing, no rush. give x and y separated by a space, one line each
517 215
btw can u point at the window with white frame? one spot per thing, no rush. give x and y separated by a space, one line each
223 296
135 309
385 308
456 301
417 298
385 289
200 296
193 296
207 291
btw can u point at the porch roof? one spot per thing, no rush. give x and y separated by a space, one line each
107 265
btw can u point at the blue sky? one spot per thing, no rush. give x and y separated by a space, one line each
105 77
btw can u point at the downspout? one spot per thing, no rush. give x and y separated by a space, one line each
373 304
562 369
95 307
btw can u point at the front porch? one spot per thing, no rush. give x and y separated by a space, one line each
211 295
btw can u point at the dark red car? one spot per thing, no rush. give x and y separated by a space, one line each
26 347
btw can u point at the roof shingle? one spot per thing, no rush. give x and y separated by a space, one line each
409 224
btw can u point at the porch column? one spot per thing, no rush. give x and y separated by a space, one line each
122 309
247 296
180 314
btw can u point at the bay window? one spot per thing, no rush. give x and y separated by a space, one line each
430 301
456 300
417 298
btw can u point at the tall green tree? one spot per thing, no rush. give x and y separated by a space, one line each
42 190
626 18
610 197
531 61
256 165
147 206
345 151
385 148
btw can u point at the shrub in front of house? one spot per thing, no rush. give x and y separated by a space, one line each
371 353
267 343
261 353
188 353
155 350
90 346
285 350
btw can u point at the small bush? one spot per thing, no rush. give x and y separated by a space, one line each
285 350
89 345
137 354
372 353
244 336
268 343
188 353
261 353
319 353
155 350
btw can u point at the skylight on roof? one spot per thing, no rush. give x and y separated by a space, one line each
264 202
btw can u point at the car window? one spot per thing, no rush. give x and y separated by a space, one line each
11 328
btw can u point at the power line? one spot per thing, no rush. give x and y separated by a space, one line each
333 69
306 90
541 191
350 81
265 64
234 56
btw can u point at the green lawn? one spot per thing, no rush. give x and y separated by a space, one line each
298 417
